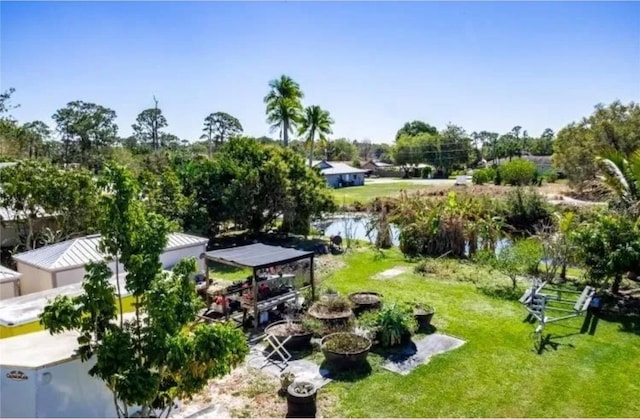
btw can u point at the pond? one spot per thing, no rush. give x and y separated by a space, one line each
358 225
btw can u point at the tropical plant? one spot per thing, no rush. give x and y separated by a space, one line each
525 210
283 106
316 122
391 324
156 355
622 175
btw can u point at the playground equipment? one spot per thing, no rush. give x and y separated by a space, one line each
541 301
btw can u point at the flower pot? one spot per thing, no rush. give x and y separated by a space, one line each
301 405
347 357
297 342
365 301
423 317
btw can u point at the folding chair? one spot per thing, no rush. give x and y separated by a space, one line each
278 349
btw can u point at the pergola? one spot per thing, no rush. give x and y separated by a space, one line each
260 256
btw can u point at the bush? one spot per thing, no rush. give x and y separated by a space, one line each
426 171
526 209
356 164
518 172
481 176
391 324
551 176
425 267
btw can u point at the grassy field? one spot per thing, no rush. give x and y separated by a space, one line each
497 373
366 193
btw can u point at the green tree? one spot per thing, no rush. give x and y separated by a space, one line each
613 127
316 122
609 247
219 127
416 128
151 358
622 175
340 149
148 125
5 99
454 149
36 134
284 106
89 126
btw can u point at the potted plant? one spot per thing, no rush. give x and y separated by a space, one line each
301 400
300 335
392 325
330 294
334 309
365 301
423 314
345 349
286 379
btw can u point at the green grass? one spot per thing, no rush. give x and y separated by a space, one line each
366 193
497 373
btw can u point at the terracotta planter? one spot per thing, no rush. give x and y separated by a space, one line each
346 358
297 342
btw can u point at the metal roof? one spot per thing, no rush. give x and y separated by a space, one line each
78 252
338 168
257 255
8 275
26 308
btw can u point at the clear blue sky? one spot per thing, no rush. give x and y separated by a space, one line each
374 66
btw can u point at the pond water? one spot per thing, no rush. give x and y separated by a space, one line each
358 226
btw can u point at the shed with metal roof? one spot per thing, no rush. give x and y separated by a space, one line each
63 263
8 282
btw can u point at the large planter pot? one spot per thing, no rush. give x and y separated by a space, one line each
299 340
423 317
349 355
331 316
365 301
301 405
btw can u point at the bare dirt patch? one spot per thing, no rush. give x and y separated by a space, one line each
391 273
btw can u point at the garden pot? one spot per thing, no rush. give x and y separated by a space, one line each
365 301
297 342
286 379
301 405
423 317
346 358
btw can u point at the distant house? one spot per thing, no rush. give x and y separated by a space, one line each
340 174
8 283
374 167
543 163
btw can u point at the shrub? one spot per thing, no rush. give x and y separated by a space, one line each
525 209
356 164
391 324
425 267
481 176
426 171
518 172
551 176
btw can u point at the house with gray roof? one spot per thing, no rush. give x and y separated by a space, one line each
339 174
8 282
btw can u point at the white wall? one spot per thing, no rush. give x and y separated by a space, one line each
72 276
34 279
8 290
170 258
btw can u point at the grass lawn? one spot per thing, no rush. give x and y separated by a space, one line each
366 193
496 373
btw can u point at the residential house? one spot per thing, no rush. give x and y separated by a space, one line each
339 174
376 168
9 287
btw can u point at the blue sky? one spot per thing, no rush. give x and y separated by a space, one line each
374 66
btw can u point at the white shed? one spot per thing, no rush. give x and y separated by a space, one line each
9 286
42 377
63 263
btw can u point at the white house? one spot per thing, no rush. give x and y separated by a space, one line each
9 283
63 263
339 174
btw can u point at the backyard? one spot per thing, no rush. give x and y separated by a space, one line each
496 373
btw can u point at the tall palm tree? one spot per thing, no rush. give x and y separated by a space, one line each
316 122
284 106
622 175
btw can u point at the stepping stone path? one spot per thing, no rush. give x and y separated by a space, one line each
391 273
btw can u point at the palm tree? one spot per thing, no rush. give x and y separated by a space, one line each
622 175
316 122
284 106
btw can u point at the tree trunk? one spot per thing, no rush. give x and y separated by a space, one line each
311 155
563 272
615 287
285 133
